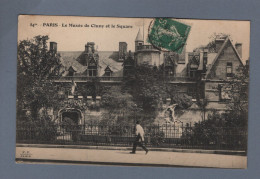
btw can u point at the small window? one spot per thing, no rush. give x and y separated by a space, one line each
223 93
92 72
192 73
108 73
229 69
71 73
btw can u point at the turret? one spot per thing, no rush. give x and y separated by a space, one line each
139 41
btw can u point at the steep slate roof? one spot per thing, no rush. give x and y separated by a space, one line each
106 60
220 51
70 58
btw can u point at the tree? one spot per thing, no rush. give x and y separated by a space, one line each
218 132
236 90
228 129
36 67
149 89
119 105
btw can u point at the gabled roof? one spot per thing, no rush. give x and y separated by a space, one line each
92 62
108 69
139 36
220 51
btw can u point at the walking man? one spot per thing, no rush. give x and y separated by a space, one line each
139 140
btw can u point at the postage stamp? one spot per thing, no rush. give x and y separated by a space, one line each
168 34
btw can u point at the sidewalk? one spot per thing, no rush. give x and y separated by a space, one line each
123 157
224 152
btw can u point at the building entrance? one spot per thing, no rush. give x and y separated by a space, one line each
71 116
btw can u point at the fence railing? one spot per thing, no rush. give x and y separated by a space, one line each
114 79
146 47
88 78
166 135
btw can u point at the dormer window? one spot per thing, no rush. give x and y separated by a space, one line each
92 72
229 69
92 67
108 71
72 71
193 65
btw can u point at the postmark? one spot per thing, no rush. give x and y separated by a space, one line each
167 34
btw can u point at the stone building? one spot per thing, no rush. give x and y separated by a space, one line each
221 65
198 74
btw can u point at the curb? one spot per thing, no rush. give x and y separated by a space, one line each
202 151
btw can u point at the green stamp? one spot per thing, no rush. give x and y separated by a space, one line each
168 34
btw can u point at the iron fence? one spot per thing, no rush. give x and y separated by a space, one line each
174 135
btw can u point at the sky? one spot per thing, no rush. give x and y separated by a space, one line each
106 38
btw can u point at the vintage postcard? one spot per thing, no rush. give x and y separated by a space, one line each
132 91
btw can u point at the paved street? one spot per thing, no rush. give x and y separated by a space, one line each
121 156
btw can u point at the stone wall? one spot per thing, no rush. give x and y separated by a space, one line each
219 70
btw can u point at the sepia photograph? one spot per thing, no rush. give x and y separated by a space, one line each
160 92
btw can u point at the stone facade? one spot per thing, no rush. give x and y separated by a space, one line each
199 72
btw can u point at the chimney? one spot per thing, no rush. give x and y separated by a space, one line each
53 47
122 49
239 49
219 42
86 48
90 47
